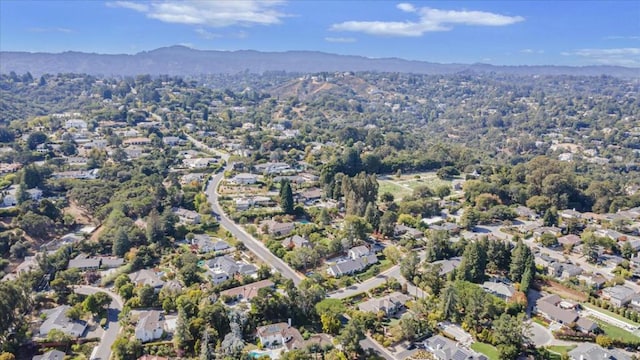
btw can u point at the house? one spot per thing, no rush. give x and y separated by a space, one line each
526 213
84 263
352 266
595 281
445 349
390 305
570 214
279 229
150 326
406 231
569 240
146 277
311 195
280 334
248 291
206 244
448 265
141 141
570 270
199 163
586 326
272 168
186 216
152 357
35 194
499 289
618 295
75 124
591 351
296 241
244 179
50 355
358 252
171 140
550 307
57 320
451 228
223 268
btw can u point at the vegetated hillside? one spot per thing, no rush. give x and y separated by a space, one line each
183 61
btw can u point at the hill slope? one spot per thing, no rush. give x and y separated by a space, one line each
180 60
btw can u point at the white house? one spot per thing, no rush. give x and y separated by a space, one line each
244 179
150 326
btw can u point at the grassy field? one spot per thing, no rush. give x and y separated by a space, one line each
615 332
612 314
404 185
487 349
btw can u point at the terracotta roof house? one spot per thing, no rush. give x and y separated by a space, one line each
248 291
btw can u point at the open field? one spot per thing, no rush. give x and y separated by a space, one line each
557 351
403 186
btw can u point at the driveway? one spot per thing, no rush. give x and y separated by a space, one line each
540 335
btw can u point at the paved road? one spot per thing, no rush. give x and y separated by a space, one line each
371 283
540 335
369 343
256 246
103 351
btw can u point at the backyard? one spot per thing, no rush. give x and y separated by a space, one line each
404 185
487 349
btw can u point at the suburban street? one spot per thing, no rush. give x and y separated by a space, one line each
103 350
393 272
253 244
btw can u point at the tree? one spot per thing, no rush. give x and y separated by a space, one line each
442 191
296 354
351 336
509 332
124 348
392 253
182 335
372 215
550 217
627 250
409 266
473 264
521 258
470 218
409 326
449 302
121 243
286 197
36 138
548 240
356 228
155 231
388 223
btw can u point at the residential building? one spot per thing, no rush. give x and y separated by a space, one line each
147 277
618 295
248 291
550 307
296 241
279 229
353 264
445 349
223 268
590 351
390 304
499 289
150 326
50 355
186 216
280 334
57 319
569 240
244 179
448 265
358 252
206 244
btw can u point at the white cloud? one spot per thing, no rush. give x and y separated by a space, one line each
531 51
50 30
209 13
207 34
622 37
340 39
429 20
615 56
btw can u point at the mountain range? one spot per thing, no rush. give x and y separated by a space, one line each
184 61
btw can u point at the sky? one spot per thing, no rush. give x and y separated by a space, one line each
496 32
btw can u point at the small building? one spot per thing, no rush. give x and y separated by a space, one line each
187 216
569 240
146 277
280 334
248 291
445 349
244 179
618 295
499 289
279 229
296 241
50 355
390 304
57 319
150 326
590 351
548 307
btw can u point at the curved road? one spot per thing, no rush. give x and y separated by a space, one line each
103 350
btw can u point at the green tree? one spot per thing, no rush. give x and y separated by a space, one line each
372 215
510 333
521 258
351 336
121 243
473 264
409 266
550 217
388 223
286 197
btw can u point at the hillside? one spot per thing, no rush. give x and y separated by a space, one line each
183 61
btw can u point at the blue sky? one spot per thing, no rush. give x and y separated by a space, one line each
496 32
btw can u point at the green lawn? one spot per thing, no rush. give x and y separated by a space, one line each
487 349
612 314
615 332
390 186
561 350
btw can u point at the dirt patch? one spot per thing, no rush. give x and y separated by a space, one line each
563 291
80 215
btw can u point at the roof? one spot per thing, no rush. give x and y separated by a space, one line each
446 349
359 251
384 303
619 292
152 357
50 355
570 239
57 319
448 265
146 277
248 291
586 324
149 320
556 313
499 288
295 241
590 351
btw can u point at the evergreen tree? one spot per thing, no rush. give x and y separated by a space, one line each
286 197
205 349
372 215
121 243
473 264
550 217
521 259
